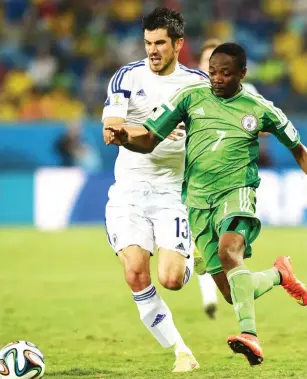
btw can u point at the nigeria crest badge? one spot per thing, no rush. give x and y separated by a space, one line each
249 122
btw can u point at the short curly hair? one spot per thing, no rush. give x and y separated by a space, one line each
234 50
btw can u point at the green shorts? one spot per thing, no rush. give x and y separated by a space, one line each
234 214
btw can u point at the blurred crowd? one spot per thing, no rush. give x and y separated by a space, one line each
57 56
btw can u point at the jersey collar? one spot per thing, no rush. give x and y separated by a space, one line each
230 98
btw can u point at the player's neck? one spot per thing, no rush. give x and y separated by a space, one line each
239 89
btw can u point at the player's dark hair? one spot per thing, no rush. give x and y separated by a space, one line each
165 18
234 50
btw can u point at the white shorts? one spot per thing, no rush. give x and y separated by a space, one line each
147 216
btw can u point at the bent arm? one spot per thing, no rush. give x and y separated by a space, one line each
300 154
144 142
134 138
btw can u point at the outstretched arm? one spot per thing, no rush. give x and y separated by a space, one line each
300 154
161 122
137 139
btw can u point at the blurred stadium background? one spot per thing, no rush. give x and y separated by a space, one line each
56 58
64 291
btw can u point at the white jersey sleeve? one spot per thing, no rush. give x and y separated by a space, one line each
119 93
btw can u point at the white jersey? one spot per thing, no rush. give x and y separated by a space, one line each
134 91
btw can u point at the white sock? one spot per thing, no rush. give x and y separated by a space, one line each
158 319
208 289
189 267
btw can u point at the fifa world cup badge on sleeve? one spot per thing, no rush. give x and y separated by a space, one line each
116 99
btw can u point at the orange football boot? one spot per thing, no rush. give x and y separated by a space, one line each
293 286
248 345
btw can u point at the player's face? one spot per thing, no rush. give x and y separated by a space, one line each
161 52
204 59
225 75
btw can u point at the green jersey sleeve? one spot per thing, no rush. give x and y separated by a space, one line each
164 119
277 123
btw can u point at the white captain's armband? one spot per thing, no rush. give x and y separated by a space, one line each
291 132
156 113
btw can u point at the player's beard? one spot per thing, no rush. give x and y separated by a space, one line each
160 70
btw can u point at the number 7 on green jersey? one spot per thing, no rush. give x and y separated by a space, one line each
221 134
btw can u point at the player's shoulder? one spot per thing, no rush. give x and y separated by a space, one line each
265 108
250 87
197 74
130 68
119 79
201 88
258 100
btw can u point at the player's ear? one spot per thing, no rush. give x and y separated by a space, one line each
243 73
179 44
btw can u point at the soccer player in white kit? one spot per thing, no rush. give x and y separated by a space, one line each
144 207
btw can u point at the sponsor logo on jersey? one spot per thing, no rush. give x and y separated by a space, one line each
249 122
141 92
200 112
158 319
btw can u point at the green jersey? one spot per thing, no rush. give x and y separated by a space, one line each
222 139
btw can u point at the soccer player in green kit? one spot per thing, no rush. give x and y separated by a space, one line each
221 176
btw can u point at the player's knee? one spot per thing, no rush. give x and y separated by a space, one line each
231 249
137 282
137 279
137 270
171 282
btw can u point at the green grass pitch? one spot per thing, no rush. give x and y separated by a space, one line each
65 292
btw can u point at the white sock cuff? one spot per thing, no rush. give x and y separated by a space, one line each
145 294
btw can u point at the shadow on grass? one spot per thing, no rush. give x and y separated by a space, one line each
77 373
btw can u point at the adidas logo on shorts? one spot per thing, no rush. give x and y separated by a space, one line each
180 247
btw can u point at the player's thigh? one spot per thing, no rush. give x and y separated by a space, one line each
205 238
171 228
237 215
127 226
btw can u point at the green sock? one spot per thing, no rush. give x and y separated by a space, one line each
242 294
264 281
